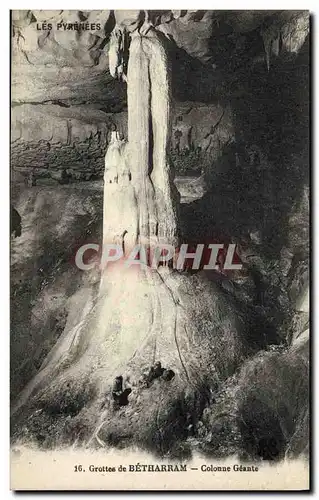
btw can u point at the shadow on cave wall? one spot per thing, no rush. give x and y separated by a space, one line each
260 176
245 194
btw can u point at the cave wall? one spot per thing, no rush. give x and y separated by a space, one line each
47 138
230 72
240 121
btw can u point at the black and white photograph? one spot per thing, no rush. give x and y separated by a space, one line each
160 250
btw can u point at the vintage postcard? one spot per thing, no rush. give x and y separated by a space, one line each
160 250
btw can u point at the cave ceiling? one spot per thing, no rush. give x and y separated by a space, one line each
209 50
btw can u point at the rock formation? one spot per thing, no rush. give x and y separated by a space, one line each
112 338
119 323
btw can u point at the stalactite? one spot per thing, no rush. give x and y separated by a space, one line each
288 35
271 41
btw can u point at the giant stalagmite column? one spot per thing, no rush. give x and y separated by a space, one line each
149 131
138 319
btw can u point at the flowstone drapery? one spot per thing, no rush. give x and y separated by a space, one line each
149 133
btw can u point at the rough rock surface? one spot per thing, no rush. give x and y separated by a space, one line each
262 410
75 138
54 224
210 50
240 82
